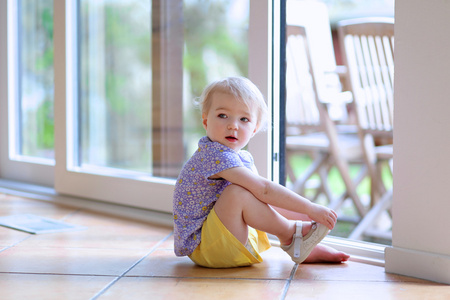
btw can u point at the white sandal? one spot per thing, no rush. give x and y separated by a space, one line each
301 246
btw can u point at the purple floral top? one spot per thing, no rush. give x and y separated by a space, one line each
195 194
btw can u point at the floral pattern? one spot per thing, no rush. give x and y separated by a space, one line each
195 194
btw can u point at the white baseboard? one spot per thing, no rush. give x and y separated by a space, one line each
419 264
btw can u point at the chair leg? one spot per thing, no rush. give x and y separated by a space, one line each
377 188
383 204
299 185
349 184
324 188
289 170
323 173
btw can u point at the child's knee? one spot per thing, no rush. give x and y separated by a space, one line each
235 195
235 190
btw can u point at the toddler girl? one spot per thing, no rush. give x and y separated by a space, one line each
223 208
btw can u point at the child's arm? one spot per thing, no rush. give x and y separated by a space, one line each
277 195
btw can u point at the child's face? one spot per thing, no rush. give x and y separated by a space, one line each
229 121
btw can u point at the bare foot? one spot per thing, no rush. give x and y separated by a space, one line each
326 254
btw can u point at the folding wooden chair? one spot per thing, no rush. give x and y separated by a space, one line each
310 129
368 47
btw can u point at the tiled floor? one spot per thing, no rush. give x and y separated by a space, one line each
117 258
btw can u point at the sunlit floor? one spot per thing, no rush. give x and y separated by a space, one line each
117 258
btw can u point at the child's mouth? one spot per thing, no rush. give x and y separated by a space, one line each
231 138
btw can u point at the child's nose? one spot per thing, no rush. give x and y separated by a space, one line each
232 125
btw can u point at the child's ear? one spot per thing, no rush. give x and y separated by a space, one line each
255 130
204 120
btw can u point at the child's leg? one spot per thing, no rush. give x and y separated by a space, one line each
237 208
291 215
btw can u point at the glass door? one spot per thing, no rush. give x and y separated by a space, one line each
97 97
130 75
327 160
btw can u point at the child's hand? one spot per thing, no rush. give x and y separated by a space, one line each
323 215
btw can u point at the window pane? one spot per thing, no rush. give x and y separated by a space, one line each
342 182
141 64
115 84
36 79
216 46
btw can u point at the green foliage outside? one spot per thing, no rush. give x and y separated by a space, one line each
44 63
209 28
37 126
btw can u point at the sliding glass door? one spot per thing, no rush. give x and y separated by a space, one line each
102 92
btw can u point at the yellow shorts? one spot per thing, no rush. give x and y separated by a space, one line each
219 248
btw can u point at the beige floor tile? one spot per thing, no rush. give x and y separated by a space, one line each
9 237
172 288
308 289
76 261
102 233
96 238
167 244
90 218
165 263
12 205
349 271
49 287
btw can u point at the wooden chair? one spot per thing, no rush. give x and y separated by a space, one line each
310 129
368 48
313 15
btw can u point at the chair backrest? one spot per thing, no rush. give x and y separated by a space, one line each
313 15
302 112
368 48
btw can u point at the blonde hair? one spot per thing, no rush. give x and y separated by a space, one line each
243 90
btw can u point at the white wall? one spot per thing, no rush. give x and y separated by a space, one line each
421 237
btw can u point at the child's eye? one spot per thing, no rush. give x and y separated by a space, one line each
244 119
222 116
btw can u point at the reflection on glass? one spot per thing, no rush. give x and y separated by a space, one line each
115 84
216 46
132 56
36 121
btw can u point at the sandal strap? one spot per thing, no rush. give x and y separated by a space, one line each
298 239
